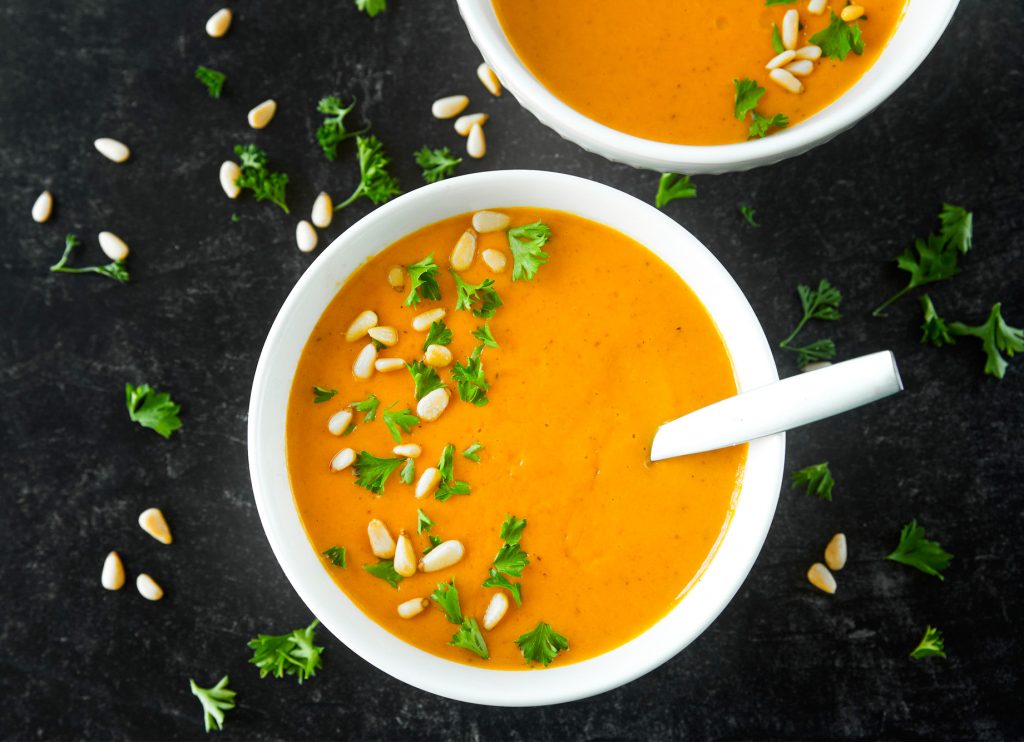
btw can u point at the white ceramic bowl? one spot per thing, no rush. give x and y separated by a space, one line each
305 568
919 31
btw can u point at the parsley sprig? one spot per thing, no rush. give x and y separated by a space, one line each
422 281
996 336
483 334
373 472
526 243
436 164
839 38
470 379
746 95
425 377
468 294
212 79
114 270
293 653
321 395
748 213
333 131
917 551
372 7
215 701
337 555
823 304
375 182
399 420
542 644
510 559
446 596
468 635
265 184
449 485
931 645
385 570
817 480
438 334
152 409
672 186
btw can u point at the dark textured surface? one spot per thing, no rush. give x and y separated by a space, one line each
783 661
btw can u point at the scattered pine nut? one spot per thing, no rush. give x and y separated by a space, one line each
437 356
112 149
405 556
230 172
148 588
790 29
408 450
361 325
817 7
450 107
819 576
323 211
800 68
305 236
363 366
219 23
381 543
442 556
490 80
810 52
343 459
490 221
463 252
262 114
339 422
476 145
786 81
113 572
112 246
384 334
835 552
152 521
385 365
412 608
428 482
42 208
421 322
851 12
433 404
496 610
815 366
464 123
396 277
494 259
780 59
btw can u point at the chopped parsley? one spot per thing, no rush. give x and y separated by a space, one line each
817 479
212 79
293 653
438 334
957 227
408 473
510 559
216 701
265 184
423 522
422 281
426 378
995 336
917 551
526 243
470 379
436 164
512 529
473 452
152 409
368 407
777 46
337 556
114 270
931 645
449 485
321 395
446 464
332 131
934 330
839 38
672 186
447 598
747 94
748 214
372 7
542 644
496 579
375 182
469 294
759 125
821 303
483 334
469 637
372 472
778 2
385 570
396 420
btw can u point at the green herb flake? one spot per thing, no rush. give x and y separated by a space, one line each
294 653
114 270
265 184
337 556
408 473
839 38
385 570
821 304
212 79
399 420
321 395
422 281
672 186
931 645
368 407
817 480
483 334
473 452
372 7
375 182
995 336
746 96
748 214
917 551
469 294
526 243
215 701
469 637
423 522
436 164
332 132
542 644
372 472
152 409
470 379
446 596
438 334
425 377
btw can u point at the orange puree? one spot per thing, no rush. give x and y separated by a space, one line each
606 343
664 69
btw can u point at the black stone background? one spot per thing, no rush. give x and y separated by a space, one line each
782 662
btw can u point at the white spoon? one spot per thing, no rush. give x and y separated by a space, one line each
780 406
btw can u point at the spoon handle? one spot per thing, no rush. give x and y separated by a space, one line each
780 406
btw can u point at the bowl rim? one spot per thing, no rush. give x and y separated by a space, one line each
704 600
486 33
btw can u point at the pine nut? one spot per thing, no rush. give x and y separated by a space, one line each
810 52
835 552
408 450
405 556
817 7
412 608
112 149
384 334
42 208
494 259
463 252
790 29
428 482
490 80
851 12
496 610
113 572
381 543
820 577
363 366
442 556
464 123
148 588
437 356
152 521
476 145
361 325
113 246
800 68
261 115
305 236
815 366
422 322
384 365
339 422
219 23
396 277
433 404
343 459
786 80
450 107
490 221
323 211
780 59
230 172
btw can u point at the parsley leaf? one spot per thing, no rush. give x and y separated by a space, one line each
438 334
778 2
526 242
469 294
447 489
372 472
839 38
368 407
931 645
819 350
510 560
293 653
748 214
337 556
446 464
215 700
542 644
823 304
264 184
408 473
447 598
483 334
375 182
321 395
385 570
212 79
934 330
748 93
917 551
470 379
777 44
422 281
496 579
395 419
512 529
423 522
332 131
426 378
672 186
472 453
449 485
818 480
469 637
957 228
759 125
114 270
995 336
372 7
436 164
152 409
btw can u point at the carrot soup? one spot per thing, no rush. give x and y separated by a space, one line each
468 449
669 70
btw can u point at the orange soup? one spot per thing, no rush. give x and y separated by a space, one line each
664 69
604 343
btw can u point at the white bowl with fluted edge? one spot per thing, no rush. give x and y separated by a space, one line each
916 35
304 567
